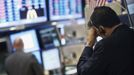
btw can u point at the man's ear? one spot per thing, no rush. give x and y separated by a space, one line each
102 30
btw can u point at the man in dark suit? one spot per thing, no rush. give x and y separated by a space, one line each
114 54
20 63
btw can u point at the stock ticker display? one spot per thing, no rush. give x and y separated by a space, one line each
16 10
65 9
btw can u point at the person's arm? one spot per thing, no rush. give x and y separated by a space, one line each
92 61
36 67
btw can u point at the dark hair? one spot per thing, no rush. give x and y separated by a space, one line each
104 16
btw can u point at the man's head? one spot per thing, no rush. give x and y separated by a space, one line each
104 18
18 44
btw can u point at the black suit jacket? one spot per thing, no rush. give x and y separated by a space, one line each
20 63
113 55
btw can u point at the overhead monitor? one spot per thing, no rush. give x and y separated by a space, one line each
29 38
37 54
65 9
130 6
49 37
20 12
51 59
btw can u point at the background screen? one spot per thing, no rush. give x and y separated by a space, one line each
49 37
29 38
38 56
65 9
130 5
17 11
51 59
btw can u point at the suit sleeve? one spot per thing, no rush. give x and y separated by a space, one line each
36 67
92 62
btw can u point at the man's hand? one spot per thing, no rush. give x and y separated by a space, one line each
91 37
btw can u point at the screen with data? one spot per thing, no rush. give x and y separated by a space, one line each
29 39
65 9
49 37
51 59
17 12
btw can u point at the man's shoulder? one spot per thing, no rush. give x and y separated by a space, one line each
19 54
28 56
105 42
10 56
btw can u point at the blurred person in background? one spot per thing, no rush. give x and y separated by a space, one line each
114 54
20 63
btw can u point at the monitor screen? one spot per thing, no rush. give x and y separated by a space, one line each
65 9
130 6
51 59
124 19
18 12
29 38
49 37
37 54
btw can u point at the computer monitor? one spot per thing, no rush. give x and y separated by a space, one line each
29 38
65 9
49 37
20 12
124 19
130 7
51 59
37 54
